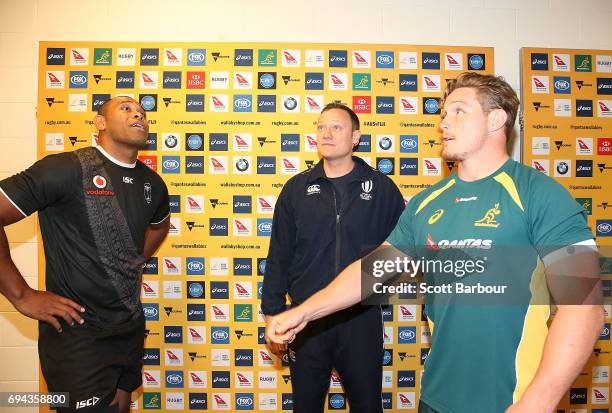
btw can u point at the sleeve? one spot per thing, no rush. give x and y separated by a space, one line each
402 236
163 206
556 220
280 254
49 181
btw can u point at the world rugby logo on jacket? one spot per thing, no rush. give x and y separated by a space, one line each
366 187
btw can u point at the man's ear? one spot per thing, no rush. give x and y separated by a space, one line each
497 119
356 137
100 122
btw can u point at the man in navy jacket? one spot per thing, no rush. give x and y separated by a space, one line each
324 219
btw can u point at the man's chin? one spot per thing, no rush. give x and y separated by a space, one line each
452 156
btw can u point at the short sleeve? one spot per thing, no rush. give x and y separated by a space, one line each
556 220
47 182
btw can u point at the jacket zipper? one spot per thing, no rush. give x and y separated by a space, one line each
337 231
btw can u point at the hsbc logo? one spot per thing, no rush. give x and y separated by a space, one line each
604 146
362 104
195 80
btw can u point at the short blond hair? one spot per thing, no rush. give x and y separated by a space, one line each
493 93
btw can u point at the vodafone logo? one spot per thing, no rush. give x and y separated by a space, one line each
99 181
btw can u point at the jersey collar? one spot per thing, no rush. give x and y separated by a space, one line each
113 160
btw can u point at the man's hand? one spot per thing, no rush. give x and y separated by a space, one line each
46 306
276 348
282 328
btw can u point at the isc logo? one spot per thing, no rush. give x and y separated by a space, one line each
87 403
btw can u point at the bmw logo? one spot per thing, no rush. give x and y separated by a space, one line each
290 103
385 143
242 164
562 168
147 102
266 80
171 141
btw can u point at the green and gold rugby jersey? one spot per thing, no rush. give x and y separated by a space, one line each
484 350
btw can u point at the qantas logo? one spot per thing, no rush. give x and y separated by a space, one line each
217 103
461 243
336 81
171 57
218 311
312 104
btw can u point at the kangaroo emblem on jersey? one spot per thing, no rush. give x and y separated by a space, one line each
489 219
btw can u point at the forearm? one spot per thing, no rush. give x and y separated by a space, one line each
344 291
12 284
568 346
154 236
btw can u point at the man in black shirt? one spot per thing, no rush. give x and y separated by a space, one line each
102 213
324 219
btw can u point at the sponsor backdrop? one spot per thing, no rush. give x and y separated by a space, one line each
567 134
230 123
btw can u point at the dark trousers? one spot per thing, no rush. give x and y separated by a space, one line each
351 341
